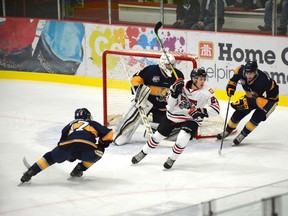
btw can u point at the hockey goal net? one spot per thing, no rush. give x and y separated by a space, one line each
117 95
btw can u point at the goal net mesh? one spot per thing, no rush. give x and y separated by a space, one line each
117 95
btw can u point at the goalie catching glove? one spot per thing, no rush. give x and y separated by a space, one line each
197 113
230 88
177 87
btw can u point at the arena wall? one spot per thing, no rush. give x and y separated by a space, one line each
71 52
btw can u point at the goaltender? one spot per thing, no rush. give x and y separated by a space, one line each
151 84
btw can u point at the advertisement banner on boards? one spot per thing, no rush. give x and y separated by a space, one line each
76 48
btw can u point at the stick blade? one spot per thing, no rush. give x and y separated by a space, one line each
26 163
158 26
219 152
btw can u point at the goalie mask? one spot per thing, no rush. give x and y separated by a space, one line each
83 113
164 63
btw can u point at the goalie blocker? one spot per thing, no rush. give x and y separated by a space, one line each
130 121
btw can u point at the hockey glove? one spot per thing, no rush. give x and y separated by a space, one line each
230 88
105 143
241 104
204 113
198 112
177 87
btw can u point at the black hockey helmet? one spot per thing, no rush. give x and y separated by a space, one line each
197 72
251 66
82 113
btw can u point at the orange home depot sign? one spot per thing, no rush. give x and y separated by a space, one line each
206 50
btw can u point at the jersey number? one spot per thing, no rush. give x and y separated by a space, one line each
82 126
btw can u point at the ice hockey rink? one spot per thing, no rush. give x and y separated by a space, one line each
32 115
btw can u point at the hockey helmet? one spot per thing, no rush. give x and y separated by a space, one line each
167 59
250 66
198 72
82 113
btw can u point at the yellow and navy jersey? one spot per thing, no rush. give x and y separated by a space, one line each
159 83
86 131
261 86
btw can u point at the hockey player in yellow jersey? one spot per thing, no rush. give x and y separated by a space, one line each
82 139
261 97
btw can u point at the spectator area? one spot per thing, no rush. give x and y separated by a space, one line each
139 13
236 19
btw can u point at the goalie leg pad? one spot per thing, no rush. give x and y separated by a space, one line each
142 95
126 127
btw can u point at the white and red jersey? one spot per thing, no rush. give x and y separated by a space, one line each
178 108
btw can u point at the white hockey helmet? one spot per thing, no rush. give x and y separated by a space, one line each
164 62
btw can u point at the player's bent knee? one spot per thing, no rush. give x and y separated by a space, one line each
157 137
190 127
183 138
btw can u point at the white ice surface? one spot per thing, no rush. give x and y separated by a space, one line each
32 115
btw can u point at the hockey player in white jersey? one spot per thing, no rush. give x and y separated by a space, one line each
188 103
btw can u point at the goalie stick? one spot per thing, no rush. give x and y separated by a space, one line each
156 29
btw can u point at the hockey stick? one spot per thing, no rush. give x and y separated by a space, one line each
27 165
143 116
225 122
156 29
25 162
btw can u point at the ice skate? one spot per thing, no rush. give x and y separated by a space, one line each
238 139
220 135
27 176
169 163
138 157
77 171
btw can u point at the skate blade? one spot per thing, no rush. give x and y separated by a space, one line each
74 178
24 183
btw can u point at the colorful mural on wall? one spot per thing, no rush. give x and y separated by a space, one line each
128 38
16 36
58 48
